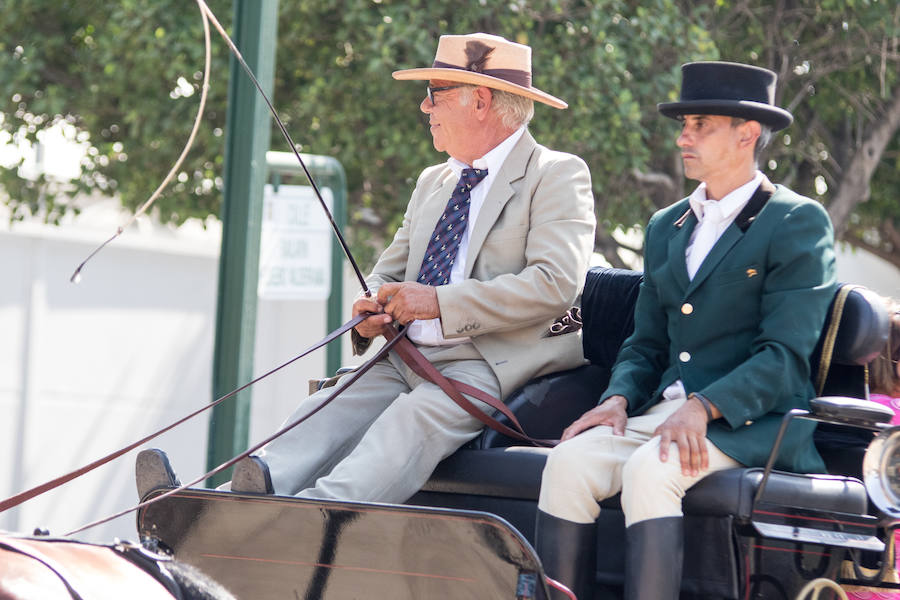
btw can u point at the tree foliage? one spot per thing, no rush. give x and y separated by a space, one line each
838 63
126 74
611 61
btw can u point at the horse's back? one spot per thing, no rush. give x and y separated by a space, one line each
31 569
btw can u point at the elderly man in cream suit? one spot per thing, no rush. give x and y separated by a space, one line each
518 221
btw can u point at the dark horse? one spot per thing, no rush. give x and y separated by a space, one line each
35 568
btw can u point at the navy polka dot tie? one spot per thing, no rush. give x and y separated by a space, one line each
448 232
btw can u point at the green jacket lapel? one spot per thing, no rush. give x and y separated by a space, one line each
678 244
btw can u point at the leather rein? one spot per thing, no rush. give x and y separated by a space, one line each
396 340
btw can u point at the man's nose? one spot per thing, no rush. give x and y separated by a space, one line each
426 105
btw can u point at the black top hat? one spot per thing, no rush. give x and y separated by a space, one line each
730 89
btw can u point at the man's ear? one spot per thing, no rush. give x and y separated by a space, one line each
482 97
750 132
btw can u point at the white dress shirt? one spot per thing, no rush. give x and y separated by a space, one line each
730 205
429 332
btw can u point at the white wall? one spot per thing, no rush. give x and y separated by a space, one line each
86 369
864 268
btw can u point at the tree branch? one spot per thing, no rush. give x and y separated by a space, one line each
854 186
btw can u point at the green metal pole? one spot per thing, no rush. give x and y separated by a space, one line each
246 142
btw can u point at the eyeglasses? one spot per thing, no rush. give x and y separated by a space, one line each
431 90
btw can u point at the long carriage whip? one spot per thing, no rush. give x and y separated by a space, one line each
208 16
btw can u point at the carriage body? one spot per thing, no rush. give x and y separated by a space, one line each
469 532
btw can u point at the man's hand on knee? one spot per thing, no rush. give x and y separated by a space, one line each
687 428
610 412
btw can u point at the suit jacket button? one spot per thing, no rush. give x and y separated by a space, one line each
684 356
687 308
748 423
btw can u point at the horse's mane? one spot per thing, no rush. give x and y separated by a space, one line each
196 585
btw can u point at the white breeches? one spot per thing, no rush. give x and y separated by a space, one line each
596 464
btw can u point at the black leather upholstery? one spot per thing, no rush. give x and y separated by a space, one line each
548 404
607 310
863 330
731 492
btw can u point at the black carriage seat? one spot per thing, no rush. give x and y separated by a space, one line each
492 474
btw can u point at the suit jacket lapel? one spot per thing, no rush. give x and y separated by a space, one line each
501 191
677 246
753 207
432 209
734 232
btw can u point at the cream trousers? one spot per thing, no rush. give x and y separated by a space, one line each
379 440
596 464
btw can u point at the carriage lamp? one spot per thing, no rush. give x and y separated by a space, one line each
881 471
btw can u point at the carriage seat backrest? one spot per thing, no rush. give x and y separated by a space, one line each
607 311
860 336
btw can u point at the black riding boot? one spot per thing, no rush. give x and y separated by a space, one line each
654 551
568 552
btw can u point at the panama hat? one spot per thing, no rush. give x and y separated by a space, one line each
483 59
730 89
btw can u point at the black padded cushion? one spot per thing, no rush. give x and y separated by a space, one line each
863 330
548 404
493 472
862 334
731 492
607 310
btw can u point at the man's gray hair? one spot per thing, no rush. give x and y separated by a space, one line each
765 136
514 110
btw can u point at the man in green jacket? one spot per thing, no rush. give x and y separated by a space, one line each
737 281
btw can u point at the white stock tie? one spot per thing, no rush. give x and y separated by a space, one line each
707 234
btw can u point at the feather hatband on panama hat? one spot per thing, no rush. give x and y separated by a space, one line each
483 59
729 89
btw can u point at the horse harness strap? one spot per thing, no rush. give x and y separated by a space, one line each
150 563
77 581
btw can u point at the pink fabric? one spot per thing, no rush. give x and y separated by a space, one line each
893 404
874 595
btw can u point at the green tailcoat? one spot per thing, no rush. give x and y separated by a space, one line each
741 332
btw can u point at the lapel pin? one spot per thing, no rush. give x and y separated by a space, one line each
678 224
751 273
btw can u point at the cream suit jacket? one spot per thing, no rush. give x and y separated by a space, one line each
528 253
